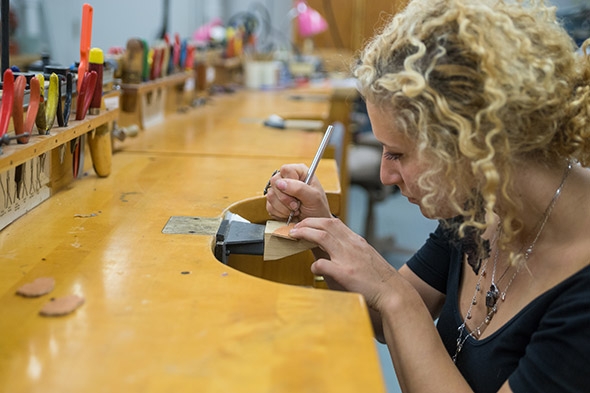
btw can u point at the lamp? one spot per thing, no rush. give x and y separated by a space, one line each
309 23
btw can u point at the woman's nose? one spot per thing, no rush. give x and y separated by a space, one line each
389 175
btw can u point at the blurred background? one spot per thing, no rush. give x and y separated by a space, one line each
53 27
396 228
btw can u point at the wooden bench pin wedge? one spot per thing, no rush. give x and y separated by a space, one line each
278 244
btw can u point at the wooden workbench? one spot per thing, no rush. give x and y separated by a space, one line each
161 313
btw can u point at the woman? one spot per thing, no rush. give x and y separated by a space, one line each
483 111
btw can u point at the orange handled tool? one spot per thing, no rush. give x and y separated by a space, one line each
20 84
34 97
21 126
85 40
7 100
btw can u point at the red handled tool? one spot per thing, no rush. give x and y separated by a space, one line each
176 52
96 64
7 100
85 94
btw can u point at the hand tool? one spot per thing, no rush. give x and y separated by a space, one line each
165 59
101 150
133 69
176 53
34 98
7 100
168 65
23 127
85 94
77 150
47 107
40 118
156 63
100 140
85 40
20 85
63 111
145 68
68 101
52 102
18 122
96 64
190 57
5 140
315 162
276 121
182 57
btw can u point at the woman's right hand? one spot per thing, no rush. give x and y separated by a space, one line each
288 192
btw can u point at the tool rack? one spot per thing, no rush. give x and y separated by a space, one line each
47 163
146 104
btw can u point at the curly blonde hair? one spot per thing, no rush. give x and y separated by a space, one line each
481 86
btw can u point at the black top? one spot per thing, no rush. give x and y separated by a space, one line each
544 348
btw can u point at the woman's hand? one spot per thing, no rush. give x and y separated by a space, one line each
353 264
288 192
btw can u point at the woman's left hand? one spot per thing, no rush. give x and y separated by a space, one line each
353 264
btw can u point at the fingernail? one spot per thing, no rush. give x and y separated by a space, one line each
294 206
281 185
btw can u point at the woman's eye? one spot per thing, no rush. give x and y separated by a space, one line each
391 156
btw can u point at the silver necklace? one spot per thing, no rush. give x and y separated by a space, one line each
494 292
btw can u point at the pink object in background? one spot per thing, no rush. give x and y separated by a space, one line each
310 22
203 34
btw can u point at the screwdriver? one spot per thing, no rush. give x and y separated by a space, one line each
314 163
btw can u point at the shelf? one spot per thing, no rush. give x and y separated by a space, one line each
167 81
15 154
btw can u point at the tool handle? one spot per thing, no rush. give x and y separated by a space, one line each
319 153
315 162
7 100
96 64
20 83
101 150
85 95
34 97
85 39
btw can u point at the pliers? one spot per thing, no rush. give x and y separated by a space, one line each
47 108
25 126
85 95
63 110
22 127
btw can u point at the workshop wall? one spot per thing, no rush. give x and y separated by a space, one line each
54 26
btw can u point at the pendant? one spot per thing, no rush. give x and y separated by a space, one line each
492 297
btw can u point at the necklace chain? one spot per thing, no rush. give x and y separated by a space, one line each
494 293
